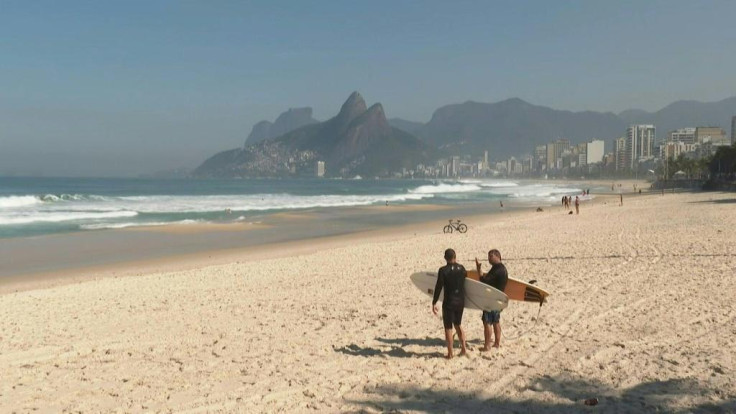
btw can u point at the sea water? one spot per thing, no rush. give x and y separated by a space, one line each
38 206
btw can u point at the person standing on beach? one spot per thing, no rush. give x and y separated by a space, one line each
496 278
451 279
577 205
621 200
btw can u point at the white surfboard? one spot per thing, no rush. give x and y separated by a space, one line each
477 295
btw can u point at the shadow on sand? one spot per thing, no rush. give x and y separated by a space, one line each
395 348
722 201
426 341
394 351
656 396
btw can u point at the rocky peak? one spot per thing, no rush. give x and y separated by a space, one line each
286 122
374 116
351 109
292 119
261 131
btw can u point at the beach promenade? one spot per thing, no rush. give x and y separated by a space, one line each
641 316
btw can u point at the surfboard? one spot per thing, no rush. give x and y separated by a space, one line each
519 290
477 295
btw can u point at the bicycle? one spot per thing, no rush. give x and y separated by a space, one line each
455 225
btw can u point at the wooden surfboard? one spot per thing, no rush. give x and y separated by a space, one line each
519 290
477 295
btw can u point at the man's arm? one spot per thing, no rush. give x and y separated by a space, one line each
438 287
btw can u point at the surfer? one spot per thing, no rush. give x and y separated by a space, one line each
451 279
496 278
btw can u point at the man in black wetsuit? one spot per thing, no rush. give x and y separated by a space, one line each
497 278
451 279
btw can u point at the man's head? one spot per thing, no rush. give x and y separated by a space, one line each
494 256
450 256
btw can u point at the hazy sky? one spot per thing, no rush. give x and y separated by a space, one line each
129 87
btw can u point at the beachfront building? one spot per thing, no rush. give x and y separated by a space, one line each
639 145
715 135
540 158
619 153
673 149
554 153
594 151
319 169
454 166
684 135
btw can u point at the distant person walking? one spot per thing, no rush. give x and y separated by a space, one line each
577 205
621 200
497 277
451 279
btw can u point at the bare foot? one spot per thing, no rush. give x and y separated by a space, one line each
448 356
463 353
484 349
496 345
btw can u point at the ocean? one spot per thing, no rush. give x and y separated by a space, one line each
39 206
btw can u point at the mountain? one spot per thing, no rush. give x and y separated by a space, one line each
286 122
404 125
683 114
357 141
631 115
513 127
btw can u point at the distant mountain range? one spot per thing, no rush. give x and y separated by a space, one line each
357 141
361 140
683 114
288 121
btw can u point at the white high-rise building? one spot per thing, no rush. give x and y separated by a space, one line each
639 145
319 169
594 151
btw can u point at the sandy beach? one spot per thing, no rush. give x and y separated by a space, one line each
641 316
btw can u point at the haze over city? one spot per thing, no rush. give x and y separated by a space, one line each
122 89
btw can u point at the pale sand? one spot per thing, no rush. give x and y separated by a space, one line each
641 317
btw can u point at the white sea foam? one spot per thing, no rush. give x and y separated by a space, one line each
443 188
104 226
253 202
90 211
535 193
18 201
56 217
98 211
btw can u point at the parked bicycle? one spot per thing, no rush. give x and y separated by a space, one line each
455 225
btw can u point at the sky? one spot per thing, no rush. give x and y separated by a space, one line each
122 88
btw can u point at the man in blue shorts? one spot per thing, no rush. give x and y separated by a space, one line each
496 278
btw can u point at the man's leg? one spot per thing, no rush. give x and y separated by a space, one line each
448 338
497 333
486 336
461 336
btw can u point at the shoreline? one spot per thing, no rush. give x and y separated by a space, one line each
144 249
173 262
336 326
214 257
